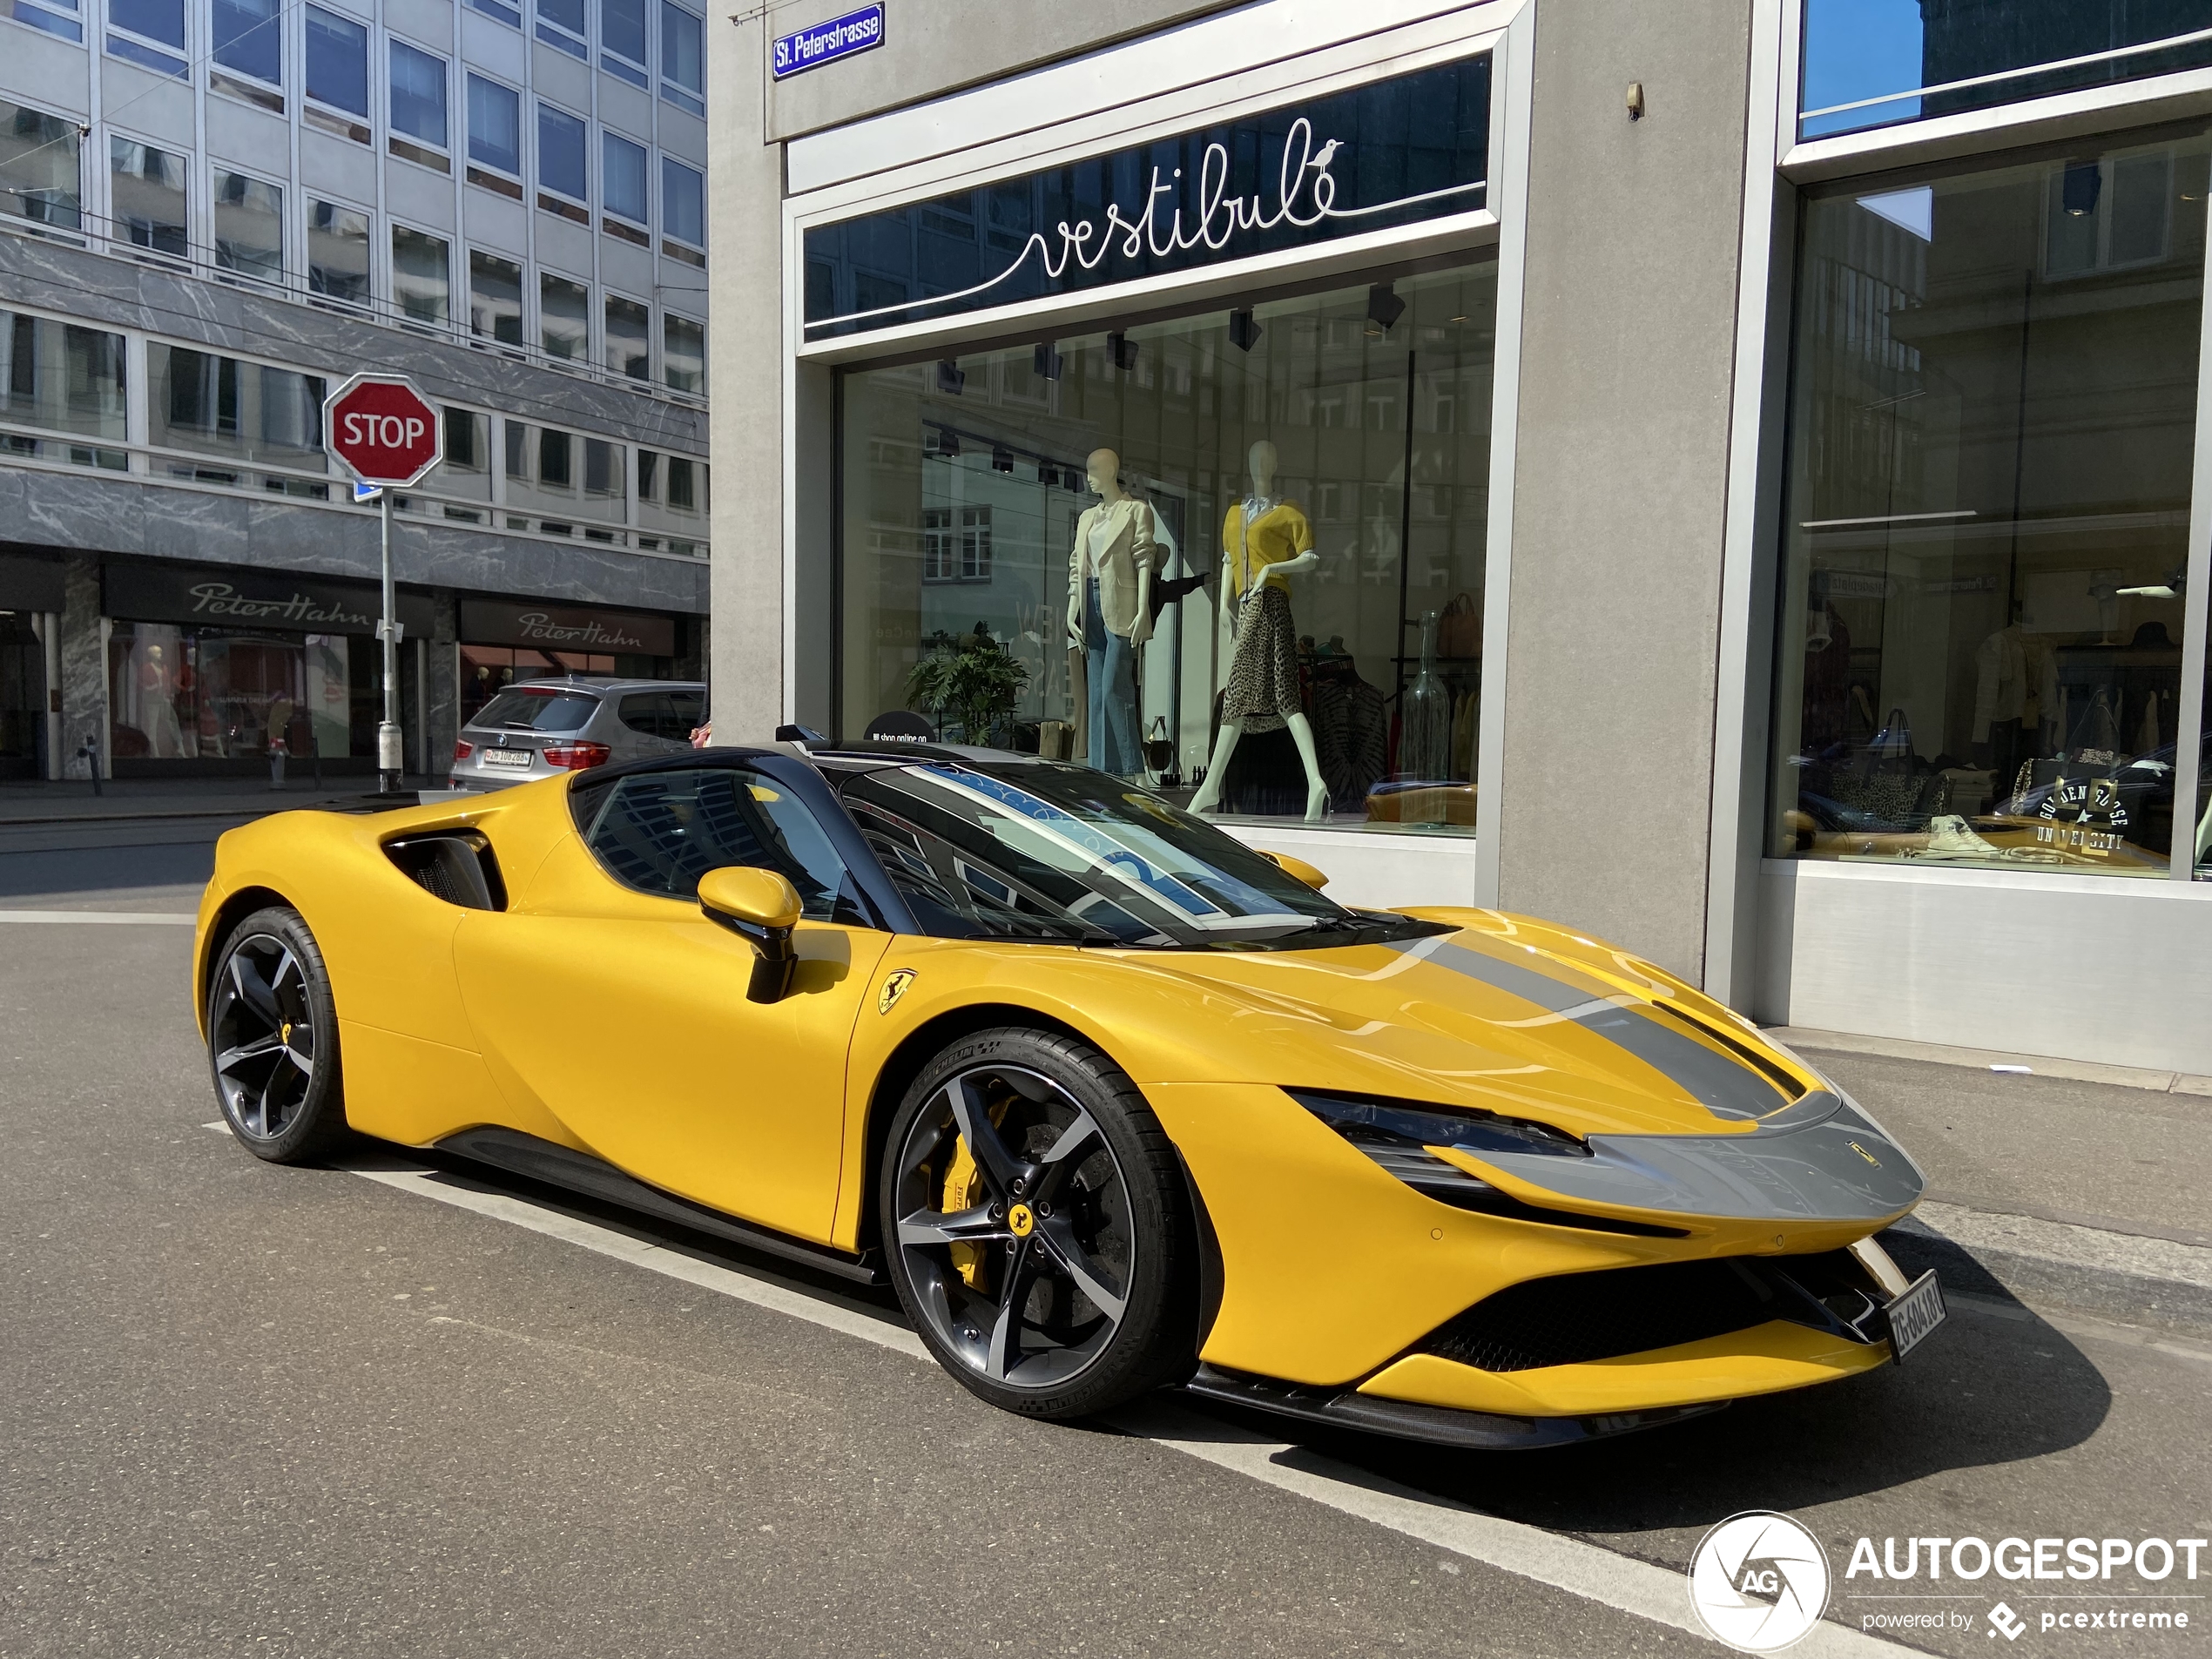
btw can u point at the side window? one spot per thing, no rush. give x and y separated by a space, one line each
659 832
671 715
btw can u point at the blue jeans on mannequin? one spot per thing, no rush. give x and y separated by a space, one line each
1110 675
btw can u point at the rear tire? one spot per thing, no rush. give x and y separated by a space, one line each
273 1040
1037 1227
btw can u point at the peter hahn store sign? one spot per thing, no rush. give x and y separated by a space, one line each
1392 153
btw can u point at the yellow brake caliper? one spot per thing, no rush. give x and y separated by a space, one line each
963 1188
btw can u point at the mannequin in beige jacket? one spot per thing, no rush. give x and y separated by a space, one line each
1109 612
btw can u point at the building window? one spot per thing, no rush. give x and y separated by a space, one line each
564 318
41 168
337 52
560 166
623 187
151 25
495 298
672 503
237 412
51 21
249 38
629 338
249 226
494 124
966 502
422 276
1993 425
146 188
682 59
560 25
61 378
622 39
418 104
682 210
338 251
684 354
506 14
466 470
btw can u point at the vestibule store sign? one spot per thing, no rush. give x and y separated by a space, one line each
254 600
1391 153
824 43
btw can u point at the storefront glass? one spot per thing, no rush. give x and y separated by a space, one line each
23 698
1992 421
1344 436
182 693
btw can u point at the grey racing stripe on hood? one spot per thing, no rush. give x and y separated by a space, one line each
1725 1087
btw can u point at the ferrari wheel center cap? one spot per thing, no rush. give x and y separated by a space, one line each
1021 1219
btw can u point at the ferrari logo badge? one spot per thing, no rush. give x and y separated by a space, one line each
1021 1220
893 988
286 1035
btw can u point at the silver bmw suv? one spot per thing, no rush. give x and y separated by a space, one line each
536 728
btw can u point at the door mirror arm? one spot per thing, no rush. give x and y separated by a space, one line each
761 907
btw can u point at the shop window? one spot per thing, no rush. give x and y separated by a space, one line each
969 528
423 276
560 25
139 30
564 318
495 298
249 38
1992 434
234 412
146 188
683 353
561 164
50 17
57 377
419 107
338 251
337 54
622 39
40 167
249 226
682 59
175 692
629 339
623 187
1876 63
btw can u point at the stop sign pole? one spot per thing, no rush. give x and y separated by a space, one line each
388 434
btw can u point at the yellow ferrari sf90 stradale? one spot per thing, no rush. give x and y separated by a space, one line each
1111 1099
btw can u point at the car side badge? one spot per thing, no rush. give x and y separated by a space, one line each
893 988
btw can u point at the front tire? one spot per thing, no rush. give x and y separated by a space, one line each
273 1040
1037 1227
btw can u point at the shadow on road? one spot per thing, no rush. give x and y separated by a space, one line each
94 870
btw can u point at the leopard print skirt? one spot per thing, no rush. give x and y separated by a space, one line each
1263 668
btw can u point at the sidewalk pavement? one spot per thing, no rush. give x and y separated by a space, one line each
237 798
2091 1195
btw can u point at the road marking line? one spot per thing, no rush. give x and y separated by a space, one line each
158 918
1658 1593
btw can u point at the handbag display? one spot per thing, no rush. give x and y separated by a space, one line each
1883 785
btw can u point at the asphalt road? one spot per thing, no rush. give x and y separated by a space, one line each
300 1412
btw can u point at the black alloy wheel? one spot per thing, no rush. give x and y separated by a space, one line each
273 1040
1037 1227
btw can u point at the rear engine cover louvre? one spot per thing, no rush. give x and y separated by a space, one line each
456 866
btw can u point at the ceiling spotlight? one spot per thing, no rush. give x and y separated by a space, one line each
1001 458
1383 307
1244 331
950 378
1047 363
1121 350
2083 183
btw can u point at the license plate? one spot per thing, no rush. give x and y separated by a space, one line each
519 758
1915 1313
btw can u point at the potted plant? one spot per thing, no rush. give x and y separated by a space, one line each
973 680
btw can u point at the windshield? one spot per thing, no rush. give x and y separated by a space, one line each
537 708
1045 850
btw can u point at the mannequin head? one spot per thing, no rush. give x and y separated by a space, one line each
1103 473
1261 464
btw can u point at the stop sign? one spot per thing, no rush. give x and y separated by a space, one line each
383 429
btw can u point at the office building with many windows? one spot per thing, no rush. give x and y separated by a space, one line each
212 211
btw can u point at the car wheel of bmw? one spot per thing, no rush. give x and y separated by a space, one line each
273 1040
1037 1226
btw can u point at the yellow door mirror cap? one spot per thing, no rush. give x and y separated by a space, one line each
1297 869
759 897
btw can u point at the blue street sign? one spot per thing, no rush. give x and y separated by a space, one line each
855 32
366 492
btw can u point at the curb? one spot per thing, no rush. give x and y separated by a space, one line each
2118 1276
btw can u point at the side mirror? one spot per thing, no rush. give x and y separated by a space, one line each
761 907
1297 869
